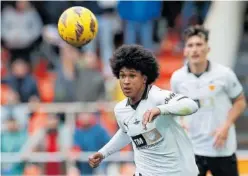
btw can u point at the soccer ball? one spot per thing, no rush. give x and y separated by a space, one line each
77 26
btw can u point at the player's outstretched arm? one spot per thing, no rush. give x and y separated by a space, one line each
169 103
116 143
178 105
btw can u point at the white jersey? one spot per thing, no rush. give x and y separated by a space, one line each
213 92
163 148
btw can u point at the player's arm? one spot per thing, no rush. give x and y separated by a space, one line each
235 92
116 143
169 103
174 87
176 104
239 105
181 101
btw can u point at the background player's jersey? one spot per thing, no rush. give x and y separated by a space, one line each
163 148
213 92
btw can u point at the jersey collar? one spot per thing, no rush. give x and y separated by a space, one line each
206 70
144 97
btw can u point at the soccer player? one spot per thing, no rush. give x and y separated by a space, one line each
146 118
221 101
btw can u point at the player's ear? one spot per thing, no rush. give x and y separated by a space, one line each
145 79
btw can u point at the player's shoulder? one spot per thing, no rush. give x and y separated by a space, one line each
156 92
216 67
8 10
120 105
180 73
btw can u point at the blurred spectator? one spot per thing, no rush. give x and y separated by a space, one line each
22 82
171 10
90 85
12 140
139 19
52 144
89 136
4 62
19 113
104 11
76 82
32 169
21 28
51 10
194 12
66 74
8 95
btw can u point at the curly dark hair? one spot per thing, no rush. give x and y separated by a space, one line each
135 57
197 30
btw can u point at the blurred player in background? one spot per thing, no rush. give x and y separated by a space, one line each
221 101
146 118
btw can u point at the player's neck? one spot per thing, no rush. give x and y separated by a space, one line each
136 99
199 67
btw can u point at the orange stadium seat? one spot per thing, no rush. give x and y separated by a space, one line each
169 64
46 87
37 121
4 93
163 83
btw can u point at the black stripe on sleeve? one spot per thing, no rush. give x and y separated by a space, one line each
237 96
182 98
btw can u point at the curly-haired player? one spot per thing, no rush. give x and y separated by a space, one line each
146 118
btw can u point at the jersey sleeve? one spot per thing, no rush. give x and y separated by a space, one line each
165 97
175 104
233 86
117 142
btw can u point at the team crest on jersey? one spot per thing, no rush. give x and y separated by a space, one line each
211 87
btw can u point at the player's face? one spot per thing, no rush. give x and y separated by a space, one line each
132 82
196 49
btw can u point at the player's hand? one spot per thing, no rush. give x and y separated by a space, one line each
220 135
150 115
95 160
183 124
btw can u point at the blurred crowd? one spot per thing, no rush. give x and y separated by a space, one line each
36 67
